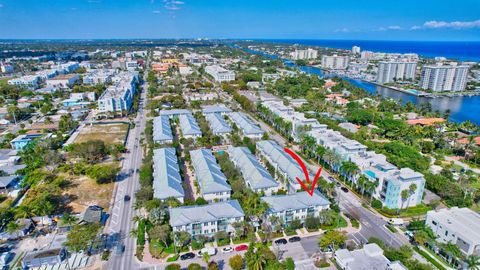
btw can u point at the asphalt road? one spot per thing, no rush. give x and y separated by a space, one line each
122 213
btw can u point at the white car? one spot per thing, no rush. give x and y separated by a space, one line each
227 249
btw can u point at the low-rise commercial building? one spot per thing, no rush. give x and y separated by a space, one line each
296 206
460 226
206 219
211 180
167 182
255 175
63 81
369 257
29 81
220 74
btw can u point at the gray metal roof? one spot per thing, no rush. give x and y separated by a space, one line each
189 125
217 123
253 172
299 200
174 112
167 181
5 181
209 176
186 215
246 124
215 109
162 131
285 162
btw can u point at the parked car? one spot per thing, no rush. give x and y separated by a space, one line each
344 189
294 239
187 256
227 249
281 241
395 221
126 198
120 249
241 247
337 183
331 178
210 251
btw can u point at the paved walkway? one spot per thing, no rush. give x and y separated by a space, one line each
461 164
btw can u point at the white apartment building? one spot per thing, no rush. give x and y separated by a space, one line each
99 76
355 50
119 96
439 78
335 61
167 182
390 71
304 54
28 81
90 96
296 206
63 81
206 219
300 123
131 65
460 226
220 74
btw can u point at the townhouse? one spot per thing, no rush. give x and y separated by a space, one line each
211 180
296 206
256 177
162 130
189 126
248 127
167 182
206 219
285 166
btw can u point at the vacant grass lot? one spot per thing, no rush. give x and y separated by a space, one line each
85 191
109 133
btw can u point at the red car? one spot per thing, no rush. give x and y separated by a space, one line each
241 247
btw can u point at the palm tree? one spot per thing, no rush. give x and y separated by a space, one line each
69 219
411 190
12 227
473 262
256 261
206 257
404 194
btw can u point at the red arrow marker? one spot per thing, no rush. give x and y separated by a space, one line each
305 172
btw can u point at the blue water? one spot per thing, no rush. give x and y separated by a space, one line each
461 50
461 108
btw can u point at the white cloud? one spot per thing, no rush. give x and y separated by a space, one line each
394 27
156 11
444 24
177 2
173 4
342 30
172 7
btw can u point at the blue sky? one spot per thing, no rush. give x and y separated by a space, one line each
279 19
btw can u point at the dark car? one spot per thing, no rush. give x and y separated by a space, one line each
187 256
344 189
281 241
331 178
294 239
126 198
337 183
120 249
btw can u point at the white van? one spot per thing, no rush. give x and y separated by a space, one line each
396 221
208 250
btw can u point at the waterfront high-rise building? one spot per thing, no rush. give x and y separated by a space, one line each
335 61
389 71
355 50
304 54
439 78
